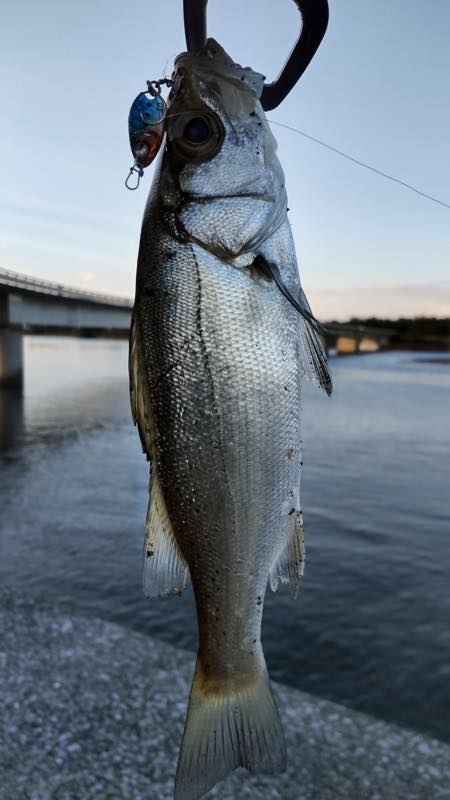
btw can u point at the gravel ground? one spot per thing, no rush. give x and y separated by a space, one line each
94 711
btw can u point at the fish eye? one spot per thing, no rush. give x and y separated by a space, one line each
197 130
195 135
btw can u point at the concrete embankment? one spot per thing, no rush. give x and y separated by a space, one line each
93 711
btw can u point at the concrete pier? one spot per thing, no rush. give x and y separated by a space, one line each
11 358
32 306
94 711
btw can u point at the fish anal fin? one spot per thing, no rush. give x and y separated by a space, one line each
289 564
165 571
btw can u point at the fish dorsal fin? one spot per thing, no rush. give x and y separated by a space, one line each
289 564
165 570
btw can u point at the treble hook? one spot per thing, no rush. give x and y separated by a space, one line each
314 15
140 172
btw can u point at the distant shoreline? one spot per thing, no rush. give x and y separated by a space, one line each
415 333
445 361
420 334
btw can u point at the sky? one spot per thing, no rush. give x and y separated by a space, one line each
378 89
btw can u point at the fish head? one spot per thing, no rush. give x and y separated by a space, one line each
222 155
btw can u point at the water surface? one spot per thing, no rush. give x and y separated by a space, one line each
370 627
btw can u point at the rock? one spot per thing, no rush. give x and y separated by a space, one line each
94 711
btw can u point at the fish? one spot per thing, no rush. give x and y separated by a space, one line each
221 338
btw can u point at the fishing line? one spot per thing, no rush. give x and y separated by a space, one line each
361 163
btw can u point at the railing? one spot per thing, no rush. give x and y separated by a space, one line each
25 282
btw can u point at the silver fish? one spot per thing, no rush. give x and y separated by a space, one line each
217 354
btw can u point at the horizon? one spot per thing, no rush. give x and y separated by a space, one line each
129 298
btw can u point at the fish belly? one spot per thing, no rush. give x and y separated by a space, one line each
221 348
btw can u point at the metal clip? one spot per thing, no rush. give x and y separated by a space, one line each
154 87
140 172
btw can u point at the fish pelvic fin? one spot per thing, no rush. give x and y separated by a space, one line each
228 727
289 564
165 571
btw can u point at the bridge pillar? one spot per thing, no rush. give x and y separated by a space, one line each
11 358
347 344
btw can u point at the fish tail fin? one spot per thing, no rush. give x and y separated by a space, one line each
228 727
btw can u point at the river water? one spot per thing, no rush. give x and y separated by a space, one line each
370 627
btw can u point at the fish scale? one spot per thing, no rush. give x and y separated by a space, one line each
216 361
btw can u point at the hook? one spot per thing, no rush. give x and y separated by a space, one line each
195 24
314 15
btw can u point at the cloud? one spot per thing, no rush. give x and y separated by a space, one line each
408 300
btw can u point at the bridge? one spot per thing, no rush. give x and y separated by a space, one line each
345 339
30 305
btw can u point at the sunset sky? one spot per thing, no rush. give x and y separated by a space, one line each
377 89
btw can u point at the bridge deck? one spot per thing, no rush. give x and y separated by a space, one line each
25 284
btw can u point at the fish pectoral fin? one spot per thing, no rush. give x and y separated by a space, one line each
139 388
289 564
165 570
314 357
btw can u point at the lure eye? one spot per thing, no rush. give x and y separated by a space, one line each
195 135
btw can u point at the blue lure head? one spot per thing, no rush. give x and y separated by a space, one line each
145 111
146 127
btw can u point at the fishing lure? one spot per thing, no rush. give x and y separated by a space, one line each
146 128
